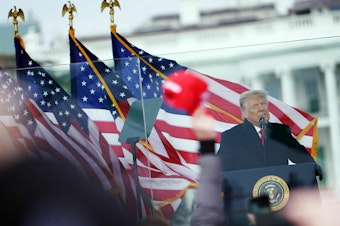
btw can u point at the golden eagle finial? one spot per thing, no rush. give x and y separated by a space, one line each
15 14
69 9
111 4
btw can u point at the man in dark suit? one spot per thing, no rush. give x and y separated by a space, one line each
241 147
258 143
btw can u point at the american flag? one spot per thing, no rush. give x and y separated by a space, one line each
14 115
18 115
78 139
222 103
29 126
107 102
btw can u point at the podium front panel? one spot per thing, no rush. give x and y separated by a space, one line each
276 183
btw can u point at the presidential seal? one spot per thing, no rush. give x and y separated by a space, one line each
275 188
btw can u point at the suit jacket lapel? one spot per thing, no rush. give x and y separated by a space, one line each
250 133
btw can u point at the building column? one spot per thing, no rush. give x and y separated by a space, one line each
333 113
287 86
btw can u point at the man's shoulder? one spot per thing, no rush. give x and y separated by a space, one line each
279 127
233 130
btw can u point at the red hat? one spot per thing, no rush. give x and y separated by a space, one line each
185 90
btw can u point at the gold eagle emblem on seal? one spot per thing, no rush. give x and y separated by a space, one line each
275 188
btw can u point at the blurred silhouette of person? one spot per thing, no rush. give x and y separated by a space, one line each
186 90
208 208
260 213
52 192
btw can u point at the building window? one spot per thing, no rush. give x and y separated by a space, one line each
273 86
313 99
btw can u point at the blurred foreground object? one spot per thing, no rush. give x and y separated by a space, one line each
305 209
49 192
203 125
185 90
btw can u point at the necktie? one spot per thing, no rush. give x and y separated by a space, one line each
261 136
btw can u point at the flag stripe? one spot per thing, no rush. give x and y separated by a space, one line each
66 147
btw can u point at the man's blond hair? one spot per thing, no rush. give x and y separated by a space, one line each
251 94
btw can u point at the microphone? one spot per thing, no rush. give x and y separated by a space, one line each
263 125
262 122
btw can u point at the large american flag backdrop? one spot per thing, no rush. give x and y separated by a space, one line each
223 102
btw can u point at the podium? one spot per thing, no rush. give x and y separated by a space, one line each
240 188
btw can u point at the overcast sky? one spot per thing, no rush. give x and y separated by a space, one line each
89 19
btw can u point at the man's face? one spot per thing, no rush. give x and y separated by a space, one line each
255 107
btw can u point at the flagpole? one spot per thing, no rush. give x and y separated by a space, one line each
132 140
